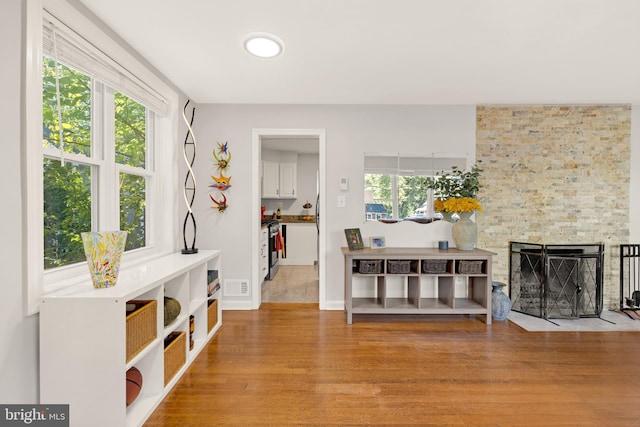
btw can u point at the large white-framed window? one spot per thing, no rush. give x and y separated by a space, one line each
99 128
395 185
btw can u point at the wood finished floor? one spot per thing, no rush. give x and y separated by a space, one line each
292 364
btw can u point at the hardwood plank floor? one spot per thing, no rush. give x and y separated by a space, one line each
292 364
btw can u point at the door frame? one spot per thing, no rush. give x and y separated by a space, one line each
256 147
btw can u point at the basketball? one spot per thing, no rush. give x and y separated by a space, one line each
134 384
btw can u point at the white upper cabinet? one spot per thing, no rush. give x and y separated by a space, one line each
279 180
288 178
270 180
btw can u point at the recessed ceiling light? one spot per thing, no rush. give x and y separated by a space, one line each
263 45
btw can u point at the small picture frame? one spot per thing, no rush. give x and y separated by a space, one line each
354 238
377 242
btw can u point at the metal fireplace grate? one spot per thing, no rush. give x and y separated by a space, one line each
556 281
630 277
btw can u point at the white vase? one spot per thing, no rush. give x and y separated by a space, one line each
446 216
465 232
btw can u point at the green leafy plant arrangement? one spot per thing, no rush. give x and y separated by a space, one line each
456 191
456 184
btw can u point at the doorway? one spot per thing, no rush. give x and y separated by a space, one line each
292 281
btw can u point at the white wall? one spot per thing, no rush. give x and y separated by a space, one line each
18 334
350 132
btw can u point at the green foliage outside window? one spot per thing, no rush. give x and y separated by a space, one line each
380 186
130 128
67 209
131 143
69 203
75 103
412 192
132 209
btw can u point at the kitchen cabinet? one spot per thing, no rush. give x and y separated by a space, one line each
270 180
288 176
301 244
279 180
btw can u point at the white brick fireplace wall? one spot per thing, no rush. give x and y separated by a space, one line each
555 174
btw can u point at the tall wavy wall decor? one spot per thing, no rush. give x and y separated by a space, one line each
189 188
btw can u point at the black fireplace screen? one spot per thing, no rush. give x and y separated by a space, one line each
556 281
630 277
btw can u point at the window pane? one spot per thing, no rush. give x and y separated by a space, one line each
131 141
412 195
67 211
378 197
133 212
75 106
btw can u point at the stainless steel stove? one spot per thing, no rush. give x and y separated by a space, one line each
274 253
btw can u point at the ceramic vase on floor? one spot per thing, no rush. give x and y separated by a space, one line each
465 232
500 302
103 250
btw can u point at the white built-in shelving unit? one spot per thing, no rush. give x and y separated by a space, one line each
83 338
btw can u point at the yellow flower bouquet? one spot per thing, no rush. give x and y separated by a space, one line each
457 204
438 205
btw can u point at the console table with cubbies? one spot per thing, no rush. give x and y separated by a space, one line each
417 281
90 337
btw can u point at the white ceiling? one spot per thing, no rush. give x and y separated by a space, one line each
390 52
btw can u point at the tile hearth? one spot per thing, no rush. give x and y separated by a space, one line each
609 321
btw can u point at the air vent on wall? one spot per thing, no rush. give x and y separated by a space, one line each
235 288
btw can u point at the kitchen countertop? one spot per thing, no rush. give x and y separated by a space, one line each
298 219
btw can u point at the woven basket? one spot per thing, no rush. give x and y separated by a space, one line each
142 326
175 354
470 267
398 266
212 314
434 266
370 266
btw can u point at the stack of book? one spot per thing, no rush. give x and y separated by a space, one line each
192 329
213 282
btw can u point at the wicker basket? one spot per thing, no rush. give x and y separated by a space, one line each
175 354
212 314
470 267
142 326
370 266
398 266
434 266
